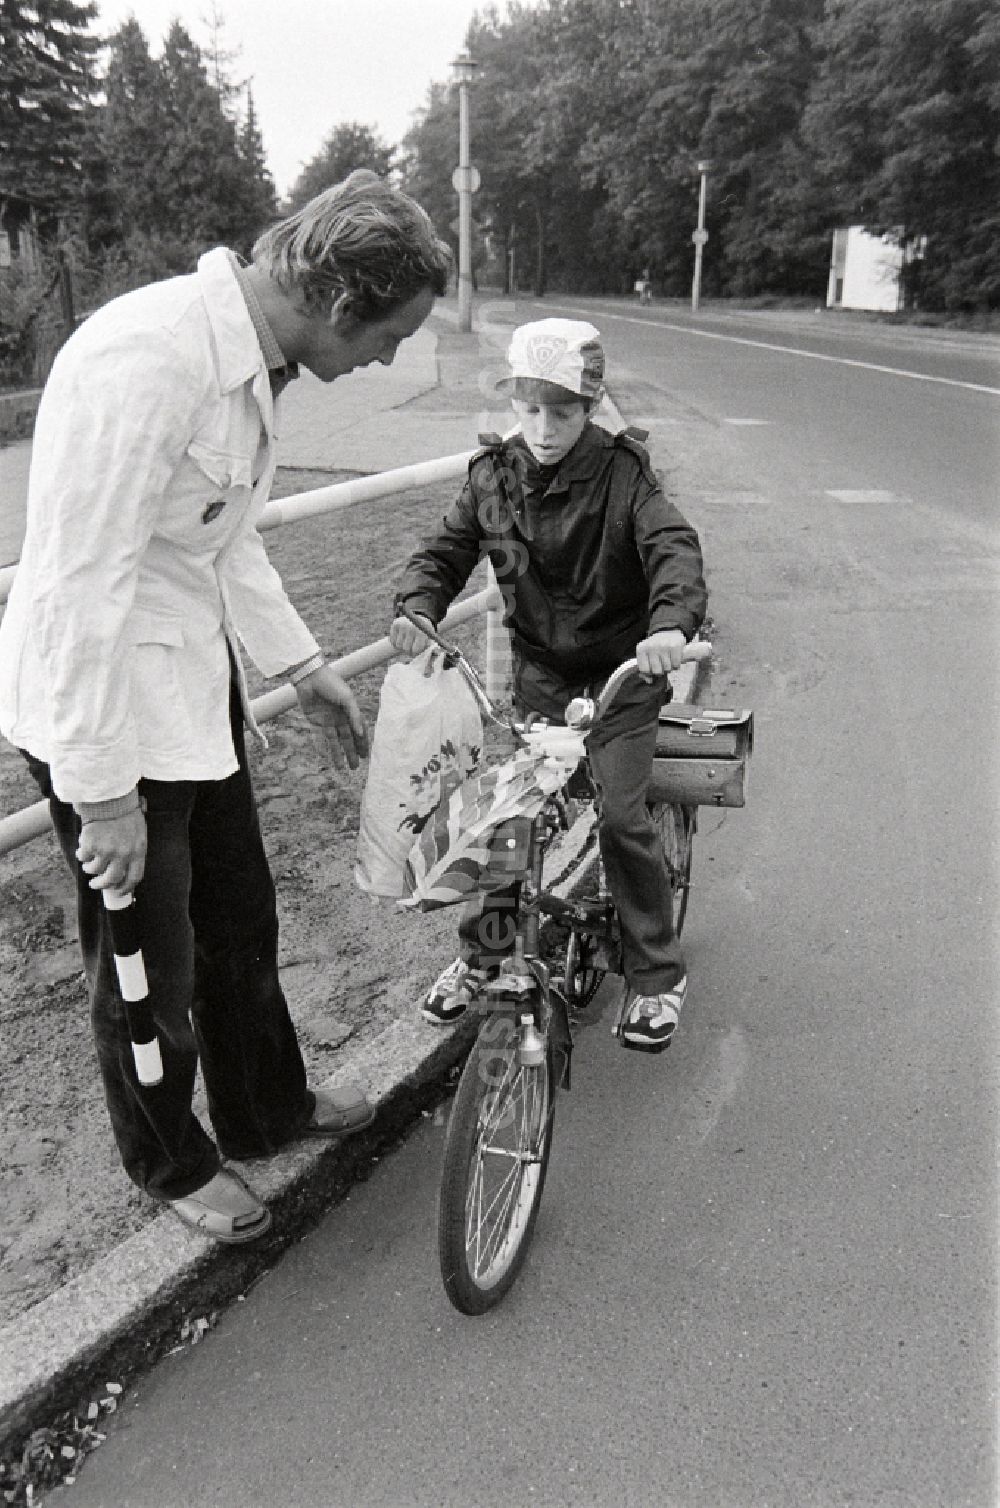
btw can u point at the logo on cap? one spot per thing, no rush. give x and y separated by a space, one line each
543 353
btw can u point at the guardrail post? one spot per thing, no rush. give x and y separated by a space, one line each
498 657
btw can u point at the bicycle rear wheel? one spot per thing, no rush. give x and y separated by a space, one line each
677 826
495 1158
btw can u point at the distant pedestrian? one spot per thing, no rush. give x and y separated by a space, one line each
120 675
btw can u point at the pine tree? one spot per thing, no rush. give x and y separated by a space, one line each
132 130
252 155
219 60
211 196
46 87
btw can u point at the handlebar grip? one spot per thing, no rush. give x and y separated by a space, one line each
698 649
131 971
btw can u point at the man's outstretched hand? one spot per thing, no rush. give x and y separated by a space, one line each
329 704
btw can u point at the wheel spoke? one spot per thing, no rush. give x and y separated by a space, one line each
496 1154
511 1125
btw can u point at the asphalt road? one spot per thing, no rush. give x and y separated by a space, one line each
765 1269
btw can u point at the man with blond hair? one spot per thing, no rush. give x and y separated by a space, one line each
120 672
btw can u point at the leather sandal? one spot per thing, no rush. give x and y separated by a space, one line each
340 1111
224 1208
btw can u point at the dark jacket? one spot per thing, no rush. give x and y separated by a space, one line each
589 560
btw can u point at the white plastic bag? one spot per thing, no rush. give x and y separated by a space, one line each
428 739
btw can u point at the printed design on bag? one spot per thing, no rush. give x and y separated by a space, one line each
467 846
441 775
428 739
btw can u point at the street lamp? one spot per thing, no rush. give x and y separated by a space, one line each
465 181
700 236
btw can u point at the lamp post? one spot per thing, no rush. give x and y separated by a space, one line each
700 236
465 180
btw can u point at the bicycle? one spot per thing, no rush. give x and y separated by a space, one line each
499 1132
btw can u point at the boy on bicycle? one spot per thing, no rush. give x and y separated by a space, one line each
595 565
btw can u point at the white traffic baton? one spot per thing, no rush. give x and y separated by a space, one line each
123 921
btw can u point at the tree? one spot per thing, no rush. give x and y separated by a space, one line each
251 149
129 183
46 88
219 60
533 198
723 80
348 146
428 156
590 116
199 157
171 171
904 120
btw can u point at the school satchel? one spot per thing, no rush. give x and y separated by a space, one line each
702 755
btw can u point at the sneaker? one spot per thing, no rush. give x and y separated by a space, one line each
650 1020
451 994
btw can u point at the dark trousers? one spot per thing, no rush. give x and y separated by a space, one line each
209 929
621 759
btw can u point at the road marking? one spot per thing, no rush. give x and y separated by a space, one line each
769 345
747 421
863 495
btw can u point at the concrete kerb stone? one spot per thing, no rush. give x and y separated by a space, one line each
124 1311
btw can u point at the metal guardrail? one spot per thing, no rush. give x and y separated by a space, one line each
363 489
32 821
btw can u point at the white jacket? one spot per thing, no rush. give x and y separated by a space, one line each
141 554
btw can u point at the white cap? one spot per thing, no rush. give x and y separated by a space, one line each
553 358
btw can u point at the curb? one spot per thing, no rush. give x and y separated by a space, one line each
124 1312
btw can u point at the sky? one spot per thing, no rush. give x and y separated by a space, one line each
317 63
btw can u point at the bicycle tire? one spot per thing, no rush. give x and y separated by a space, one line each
677 826
513 1107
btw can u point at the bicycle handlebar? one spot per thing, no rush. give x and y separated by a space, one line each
453 656
581 713
698 649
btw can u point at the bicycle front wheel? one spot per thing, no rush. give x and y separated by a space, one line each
676 825
495 1158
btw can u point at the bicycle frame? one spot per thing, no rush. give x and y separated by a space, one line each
524 982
